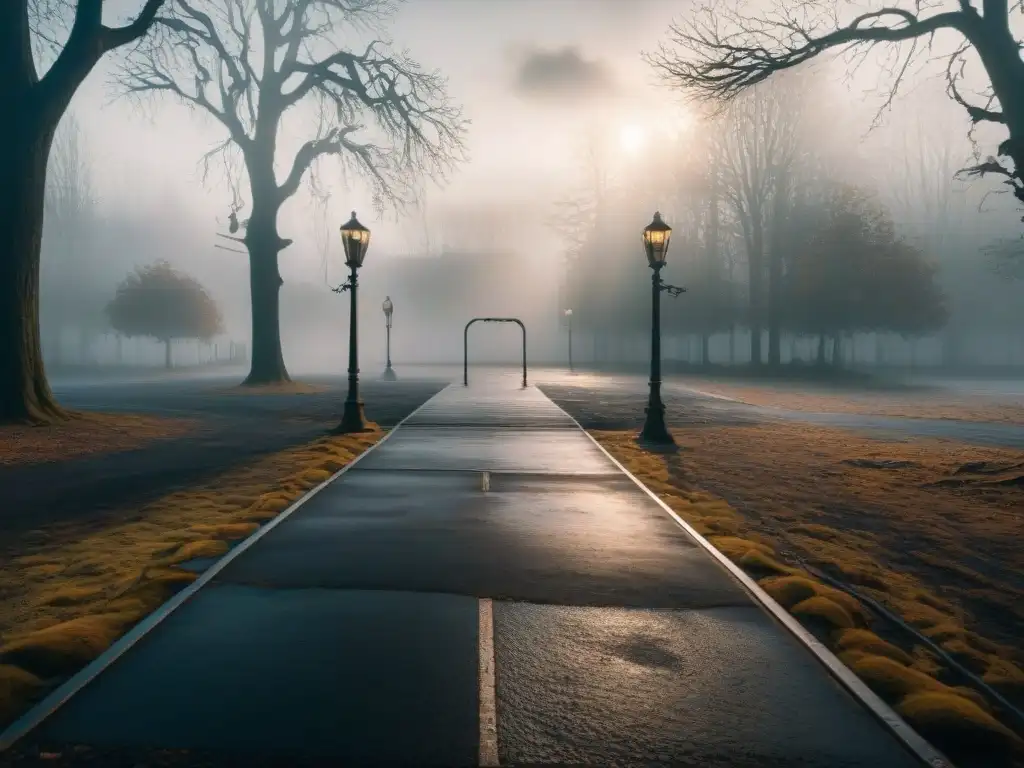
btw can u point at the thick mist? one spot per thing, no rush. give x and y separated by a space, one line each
574 143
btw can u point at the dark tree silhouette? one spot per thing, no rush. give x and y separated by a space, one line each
853 274
247 63
721 50
164 304
34 105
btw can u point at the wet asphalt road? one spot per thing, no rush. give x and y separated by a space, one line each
416 612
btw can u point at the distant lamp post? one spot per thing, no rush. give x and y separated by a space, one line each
389 308
656 238
568 317
355 238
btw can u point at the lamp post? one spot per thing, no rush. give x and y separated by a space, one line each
389 308
656 236
568 316
355 238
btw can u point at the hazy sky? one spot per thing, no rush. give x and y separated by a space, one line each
531 75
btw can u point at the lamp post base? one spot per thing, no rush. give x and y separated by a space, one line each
654 432
353 419
389 374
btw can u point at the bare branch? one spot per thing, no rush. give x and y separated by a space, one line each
187 44
955 67
88 40
712 63
117 36
379 112
719 52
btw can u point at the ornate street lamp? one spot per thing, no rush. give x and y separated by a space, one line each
389 308
656 237
568 317
355 238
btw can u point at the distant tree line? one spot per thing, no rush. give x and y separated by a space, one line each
767 239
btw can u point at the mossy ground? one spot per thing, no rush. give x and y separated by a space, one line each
66 598
902 538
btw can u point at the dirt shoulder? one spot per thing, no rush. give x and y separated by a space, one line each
85 434
916 404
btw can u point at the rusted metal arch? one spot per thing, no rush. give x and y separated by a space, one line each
465 343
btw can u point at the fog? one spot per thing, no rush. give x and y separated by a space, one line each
565 114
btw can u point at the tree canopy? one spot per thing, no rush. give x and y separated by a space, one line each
164 304
853 274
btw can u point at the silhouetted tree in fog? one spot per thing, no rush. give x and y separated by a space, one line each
853 274
164 304
34 105
758 139
247 63
73 286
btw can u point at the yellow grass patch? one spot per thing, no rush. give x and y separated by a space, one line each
84 434
944 716
16 687
72 593
863 641
889 533
787 591
823 609
1004 674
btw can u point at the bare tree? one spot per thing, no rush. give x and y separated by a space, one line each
70 292
247 63
720 51
575 218
935 207
35 104
757 140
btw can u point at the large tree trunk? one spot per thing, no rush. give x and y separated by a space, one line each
168 355
25 395
266 360
33 111
705 343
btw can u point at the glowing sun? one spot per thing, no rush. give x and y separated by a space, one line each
632 138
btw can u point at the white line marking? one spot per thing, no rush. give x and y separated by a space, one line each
485 481
488 712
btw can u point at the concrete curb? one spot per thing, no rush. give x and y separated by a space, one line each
38 713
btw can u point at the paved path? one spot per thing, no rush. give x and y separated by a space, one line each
413 612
